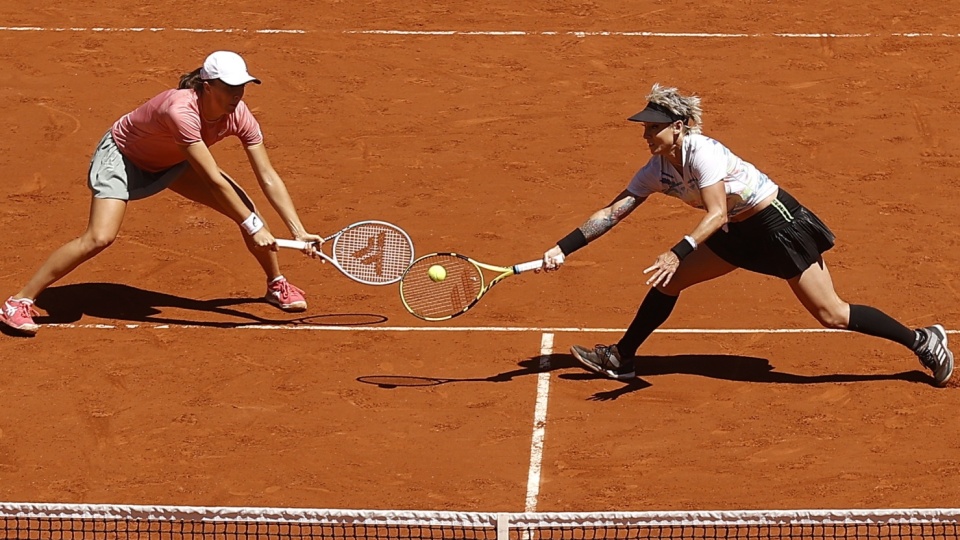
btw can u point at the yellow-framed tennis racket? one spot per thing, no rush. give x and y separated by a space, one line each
463 284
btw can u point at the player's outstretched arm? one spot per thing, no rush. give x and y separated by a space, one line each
606 218
276 192
594 227
714 199
200 158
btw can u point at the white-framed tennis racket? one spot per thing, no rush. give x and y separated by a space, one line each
369 252
463 286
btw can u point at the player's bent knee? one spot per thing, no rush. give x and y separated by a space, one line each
95 243
832 319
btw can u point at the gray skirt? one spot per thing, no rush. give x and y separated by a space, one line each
113 176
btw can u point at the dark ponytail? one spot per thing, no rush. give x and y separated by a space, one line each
191 80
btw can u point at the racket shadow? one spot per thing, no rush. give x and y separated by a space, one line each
68 304
528 367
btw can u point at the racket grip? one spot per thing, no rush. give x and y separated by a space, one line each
532 265
295 244
527 266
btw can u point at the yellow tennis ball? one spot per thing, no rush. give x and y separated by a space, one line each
437 273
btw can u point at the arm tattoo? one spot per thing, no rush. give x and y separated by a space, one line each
602 222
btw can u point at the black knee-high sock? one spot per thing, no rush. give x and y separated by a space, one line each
653 312
873 322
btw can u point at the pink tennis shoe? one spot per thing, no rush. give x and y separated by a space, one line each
18 315
285 296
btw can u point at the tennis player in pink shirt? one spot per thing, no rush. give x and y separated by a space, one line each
165 143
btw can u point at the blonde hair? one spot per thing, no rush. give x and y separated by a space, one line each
685 106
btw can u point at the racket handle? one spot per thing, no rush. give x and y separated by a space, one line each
295 244
532 265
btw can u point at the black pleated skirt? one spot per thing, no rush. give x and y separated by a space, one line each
782 240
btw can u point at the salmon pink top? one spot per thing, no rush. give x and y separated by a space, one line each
153 134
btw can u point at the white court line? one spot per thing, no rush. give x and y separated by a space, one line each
332 328
492 33
539 423
151 29
604 33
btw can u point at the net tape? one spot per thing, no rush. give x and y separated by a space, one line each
37 520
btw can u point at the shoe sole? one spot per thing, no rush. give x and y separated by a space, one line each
25 329
295 307
600 369
946 379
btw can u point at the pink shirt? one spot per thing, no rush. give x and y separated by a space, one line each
152 135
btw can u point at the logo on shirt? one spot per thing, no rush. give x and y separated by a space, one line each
672 185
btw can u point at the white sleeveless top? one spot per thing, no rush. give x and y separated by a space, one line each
705 162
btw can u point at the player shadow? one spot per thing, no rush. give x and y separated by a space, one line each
726 367
717 366
69 303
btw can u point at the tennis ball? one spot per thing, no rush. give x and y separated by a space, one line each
437 273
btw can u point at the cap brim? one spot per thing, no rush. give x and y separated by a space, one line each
651 115
241 80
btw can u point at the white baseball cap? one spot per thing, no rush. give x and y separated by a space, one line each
228 67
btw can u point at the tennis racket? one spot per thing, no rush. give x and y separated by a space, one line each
460 290
369 252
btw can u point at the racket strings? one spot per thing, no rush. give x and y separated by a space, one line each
373 253
431 299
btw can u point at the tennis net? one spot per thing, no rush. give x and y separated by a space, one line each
95 521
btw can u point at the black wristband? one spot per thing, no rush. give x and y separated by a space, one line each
682 249
572 242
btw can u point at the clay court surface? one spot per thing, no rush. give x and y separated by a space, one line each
494 146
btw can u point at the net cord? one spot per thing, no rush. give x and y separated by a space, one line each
917 516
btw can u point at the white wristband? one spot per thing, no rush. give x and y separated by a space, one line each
252 224
690 239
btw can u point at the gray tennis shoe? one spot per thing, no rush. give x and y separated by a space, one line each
606 361
934 354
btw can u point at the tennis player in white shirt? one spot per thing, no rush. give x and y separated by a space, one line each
749 222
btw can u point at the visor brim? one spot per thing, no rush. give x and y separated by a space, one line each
652 116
